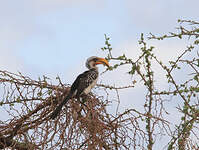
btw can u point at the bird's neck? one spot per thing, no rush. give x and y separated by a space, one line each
94 68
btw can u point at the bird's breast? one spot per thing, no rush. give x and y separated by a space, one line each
88 89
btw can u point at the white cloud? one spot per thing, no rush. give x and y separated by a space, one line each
38 7
54 4
19 22
158 15
8 42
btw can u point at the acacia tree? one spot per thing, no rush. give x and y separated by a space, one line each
27 103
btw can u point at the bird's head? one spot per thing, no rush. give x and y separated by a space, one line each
93 61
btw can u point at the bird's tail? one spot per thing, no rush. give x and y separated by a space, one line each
56 112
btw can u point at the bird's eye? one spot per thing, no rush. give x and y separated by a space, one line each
95 59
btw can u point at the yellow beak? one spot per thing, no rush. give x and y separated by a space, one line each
102 61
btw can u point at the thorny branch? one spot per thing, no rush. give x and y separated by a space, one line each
27 104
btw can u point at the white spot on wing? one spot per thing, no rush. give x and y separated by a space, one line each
88 89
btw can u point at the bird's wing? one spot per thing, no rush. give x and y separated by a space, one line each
83 81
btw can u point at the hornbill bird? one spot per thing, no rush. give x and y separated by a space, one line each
83 83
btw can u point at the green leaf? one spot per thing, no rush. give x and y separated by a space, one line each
132 70
18 99
198 62
197 30
195 77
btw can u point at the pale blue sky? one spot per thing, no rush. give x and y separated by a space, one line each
51 36
55 37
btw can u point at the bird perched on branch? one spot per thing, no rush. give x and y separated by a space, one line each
83 83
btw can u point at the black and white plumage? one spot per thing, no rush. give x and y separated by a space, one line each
83 83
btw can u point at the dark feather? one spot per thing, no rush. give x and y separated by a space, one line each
79 85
